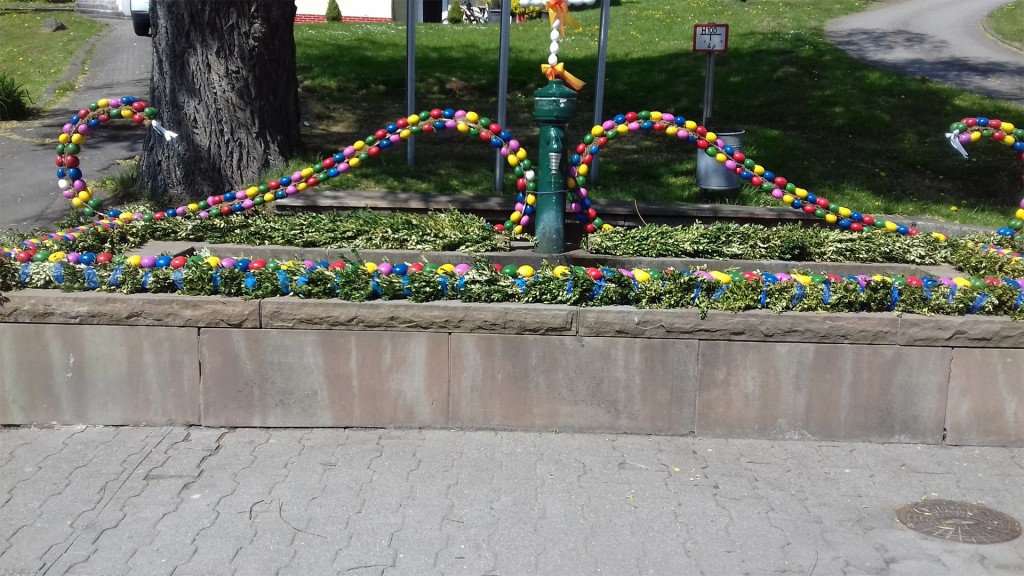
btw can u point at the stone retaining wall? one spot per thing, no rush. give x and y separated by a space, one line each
161 359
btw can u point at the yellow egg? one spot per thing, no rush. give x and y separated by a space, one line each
369 267
641 275
975 136
800 193
939 236
63 138
622 128
1009 140
891 226
525 271
517 230
269 197
406 133
787 198
803 279
831 218
84 195
353 162
446 268
690 125
655 116
845 212
126 113
721 276
512 160
521 154
359 145
1007 127
1019 214
413 119
597 131
470 116
711 136
721 157
606 227
516 216
77 202
561 271
77 138
301 186
193 207
758 169
532 199
134 261
671 130
962 282
103 102
583 169
252 191
306 172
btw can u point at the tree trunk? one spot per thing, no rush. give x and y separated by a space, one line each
224 80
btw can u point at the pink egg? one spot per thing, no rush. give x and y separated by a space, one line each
147 262
385 268
227 263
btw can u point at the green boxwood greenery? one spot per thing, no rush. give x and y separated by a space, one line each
454 231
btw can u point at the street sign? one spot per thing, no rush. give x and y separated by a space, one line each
710 38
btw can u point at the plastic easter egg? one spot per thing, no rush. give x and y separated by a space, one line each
641 275
135 261
526 271
561 272
721 277
257 264
178 262
594 273
162 262
385 268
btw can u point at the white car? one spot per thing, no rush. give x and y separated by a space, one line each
140 16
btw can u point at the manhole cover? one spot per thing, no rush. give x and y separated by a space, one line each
959 521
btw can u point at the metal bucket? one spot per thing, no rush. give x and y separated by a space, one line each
711 175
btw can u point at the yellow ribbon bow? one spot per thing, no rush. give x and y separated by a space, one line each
560 10
558 71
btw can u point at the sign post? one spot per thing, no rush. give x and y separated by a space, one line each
710 39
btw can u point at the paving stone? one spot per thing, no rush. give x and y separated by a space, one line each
481 503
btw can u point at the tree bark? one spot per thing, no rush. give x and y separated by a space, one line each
223 79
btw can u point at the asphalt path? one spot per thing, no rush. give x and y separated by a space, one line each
943 40
29 197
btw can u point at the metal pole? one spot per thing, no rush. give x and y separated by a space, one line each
709 89
602 59
410 72
503 55
553 108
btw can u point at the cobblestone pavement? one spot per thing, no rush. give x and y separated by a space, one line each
106 501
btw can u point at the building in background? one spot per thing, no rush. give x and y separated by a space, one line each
306 10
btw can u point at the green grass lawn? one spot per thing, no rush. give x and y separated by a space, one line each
38 59
870 139
1008 23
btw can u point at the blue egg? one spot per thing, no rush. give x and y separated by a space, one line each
61 172
746 174
242 264
619 119
74 173
856 216
448 113
400 269
87 259
844 223
594 149
285 181
769 175
728 149
280 195
161 261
